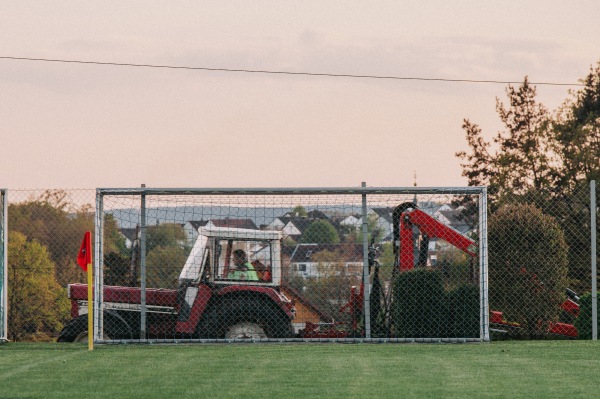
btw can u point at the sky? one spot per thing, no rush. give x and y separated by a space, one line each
87 126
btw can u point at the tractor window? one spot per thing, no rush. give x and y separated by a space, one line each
243 260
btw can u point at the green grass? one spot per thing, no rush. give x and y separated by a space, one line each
542 369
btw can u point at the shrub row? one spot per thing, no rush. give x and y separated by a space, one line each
583 322
422 308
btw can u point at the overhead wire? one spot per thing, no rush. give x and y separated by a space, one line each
274 72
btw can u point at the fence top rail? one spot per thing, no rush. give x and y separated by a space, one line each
291 191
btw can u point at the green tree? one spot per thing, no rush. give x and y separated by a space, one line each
577 127
320 232
163 265
527 267
353 234
524 156
56 223
299 211
544 160
37 306
114 241
165 235
117 269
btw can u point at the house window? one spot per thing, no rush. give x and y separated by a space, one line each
302 267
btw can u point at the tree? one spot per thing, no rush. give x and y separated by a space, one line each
527 267
545 160
57 224
299 211
320 232
165 235
114 241
524 158
374 232
577 126
163 265
37 306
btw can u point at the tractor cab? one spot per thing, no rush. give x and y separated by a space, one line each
230 256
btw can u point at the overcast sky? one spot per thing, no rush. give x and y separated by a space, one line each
86 126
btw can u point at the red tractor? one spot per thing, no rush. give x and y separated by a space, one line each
215 298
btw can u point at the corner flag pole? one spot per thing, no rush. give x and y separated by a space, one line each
84 260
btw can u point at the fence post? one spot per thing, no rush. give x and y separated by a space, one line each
98 274
366 285
483 268
593 206
3 265
143 266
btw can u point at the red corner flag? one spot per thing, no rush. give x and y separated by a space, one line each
84 258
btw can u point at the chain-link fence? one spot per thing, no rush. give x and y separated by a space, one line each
283 264
314 268
3 266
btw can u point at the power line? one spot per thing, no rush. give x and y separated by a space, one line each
271 72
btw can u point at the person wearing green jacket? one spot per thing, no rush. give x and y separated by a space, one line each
242 270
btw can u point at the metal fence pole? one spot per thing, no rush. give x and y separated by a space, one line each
4 265
593 206
366 285
98 277
143 266
483 268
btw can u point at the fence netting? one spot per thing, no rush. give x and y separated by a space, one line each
299 266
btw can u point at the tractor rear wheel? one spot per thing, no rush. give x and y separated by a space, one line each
245 318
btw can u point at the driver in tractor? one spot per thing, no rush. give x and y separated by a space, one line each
242 270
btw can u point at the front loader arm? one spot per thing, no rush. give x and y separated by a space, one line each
409 215
436 229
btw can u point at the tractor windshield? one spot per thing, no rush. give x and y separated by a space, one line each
243 260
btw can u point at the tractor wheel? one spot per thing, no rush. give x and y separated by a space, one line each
245 330
245 318
77 329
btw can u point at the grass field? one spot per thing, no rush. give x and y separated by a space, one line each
543 369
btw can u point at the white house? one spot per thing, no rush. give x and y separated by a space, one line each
191 229
304 261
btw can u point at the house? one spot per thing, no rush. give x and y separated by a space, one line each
351 221
383 221
295 227
306 311
278 223
323 260
191 229
452 217
129 235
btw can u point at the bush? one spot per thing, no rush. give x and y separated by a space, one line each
527 267
463 312
419 305
583 323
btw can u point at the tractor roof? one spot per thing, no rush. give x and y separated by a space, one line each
235 233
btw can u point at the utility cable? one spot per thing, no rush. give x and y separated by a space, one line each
271 72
